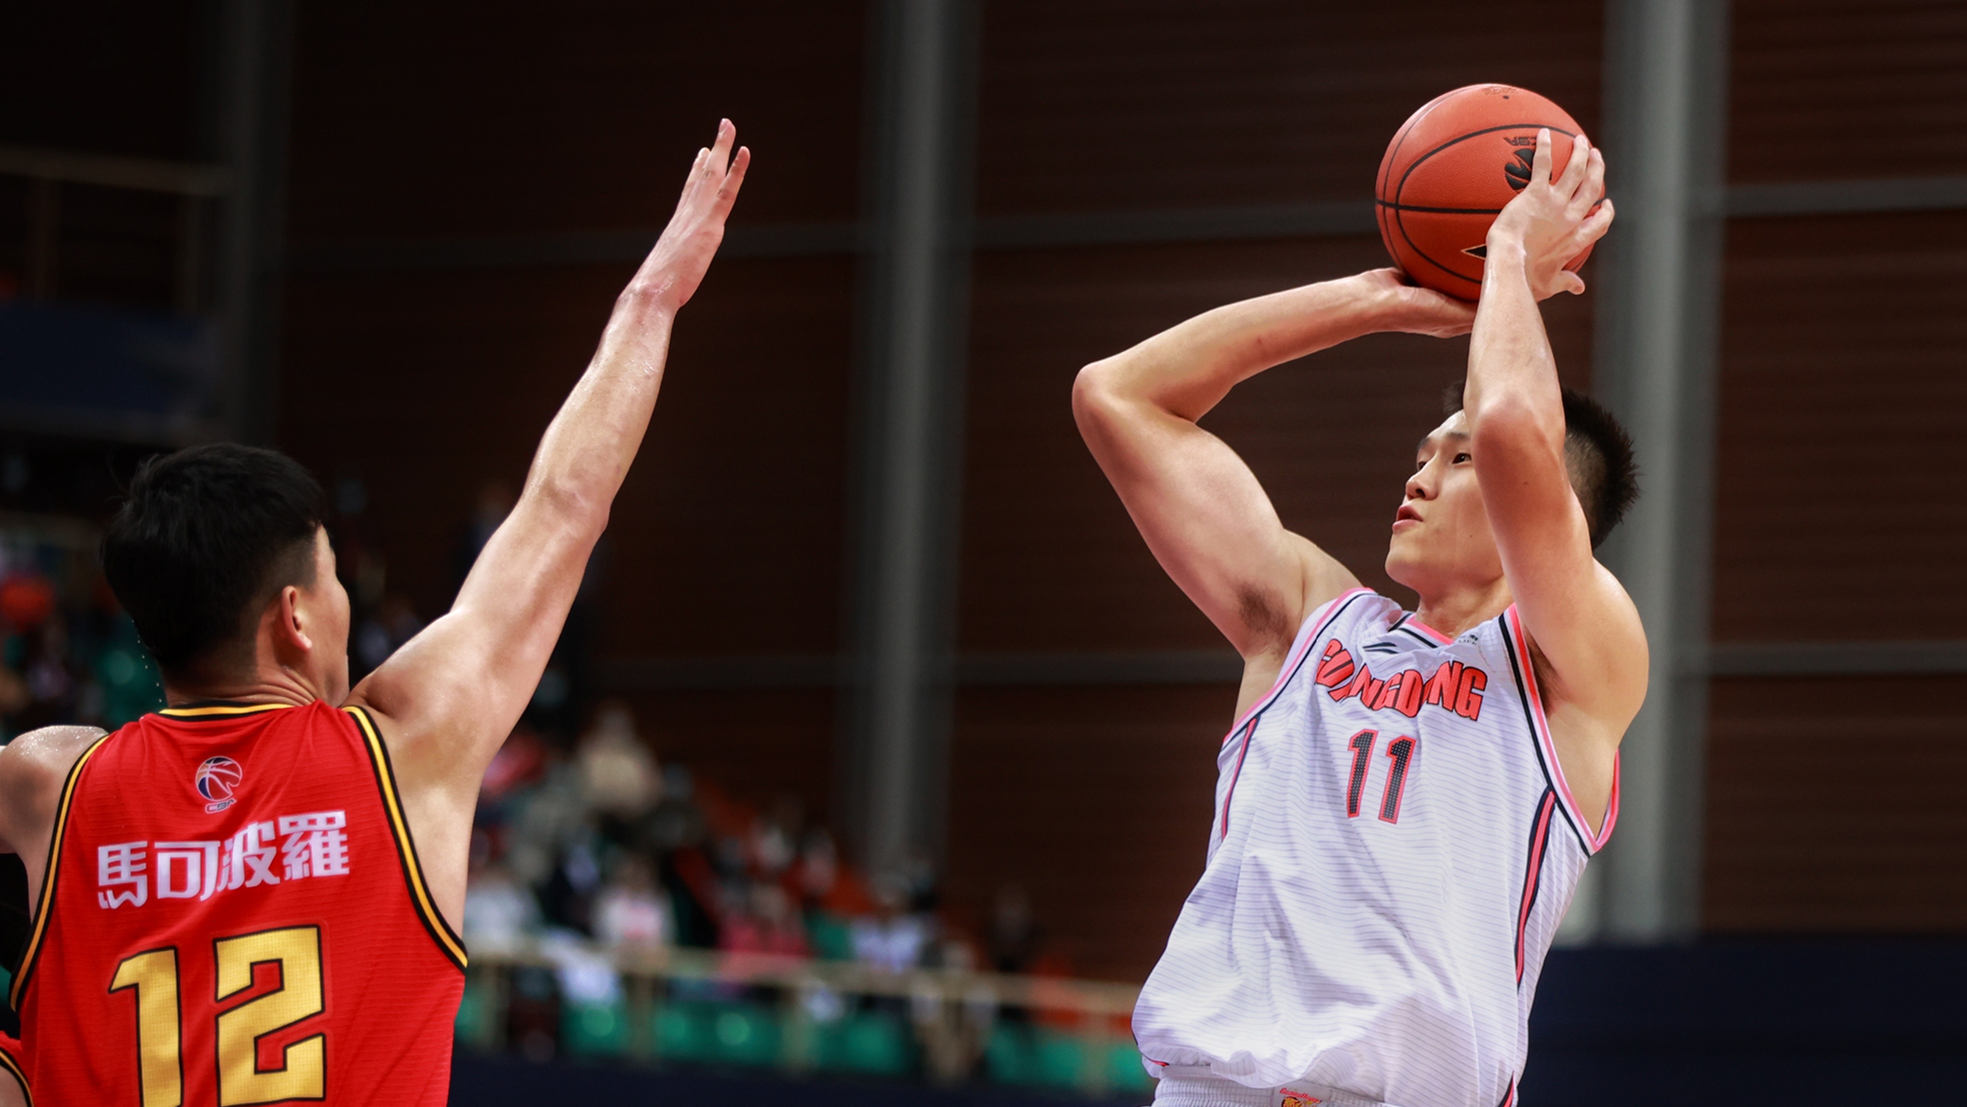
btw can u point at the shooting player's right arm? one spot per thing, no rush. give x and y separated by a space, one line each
1198 505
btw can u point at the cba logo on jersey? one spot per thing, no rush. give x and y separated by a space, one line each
217 778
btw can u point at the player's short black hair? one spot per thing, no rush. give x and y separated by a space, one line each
1597 457
205 537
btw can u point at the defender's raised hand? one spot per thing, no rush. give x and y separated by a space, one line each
1554 221
669 276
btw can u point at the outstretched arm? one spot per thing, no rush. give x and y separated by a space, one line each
1581 620
1198 505
450 696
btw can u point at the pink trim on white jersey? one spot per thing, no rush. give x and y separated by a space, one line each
1520 643
1291 663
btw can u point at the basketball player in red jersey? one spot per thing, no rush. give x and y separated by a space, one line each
250 897
1318 958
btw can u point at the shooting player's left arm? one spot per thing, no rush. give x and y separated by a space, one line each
1575 611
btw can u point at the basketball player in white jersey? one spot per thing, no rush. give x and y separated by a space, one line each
1406 799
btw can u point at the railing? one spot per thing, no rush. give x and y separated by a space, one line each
802 1016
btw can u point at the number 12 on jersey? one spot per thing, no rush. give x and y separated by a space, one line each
1400 752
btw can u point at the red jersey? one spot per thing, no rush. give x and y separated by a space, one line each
233 913
12 1067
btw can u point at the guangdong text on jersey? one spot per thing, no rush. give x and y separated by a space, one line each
1452 687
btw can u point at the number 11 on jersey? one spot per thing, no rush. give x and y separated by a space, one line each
1400 752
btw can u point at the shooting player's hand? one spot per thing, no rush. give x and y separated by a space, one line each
1554 221
669 276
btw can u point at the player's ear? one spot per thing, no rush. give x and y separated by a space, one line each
291 620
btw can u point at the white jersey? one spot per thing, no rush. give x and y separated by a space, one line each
1392 849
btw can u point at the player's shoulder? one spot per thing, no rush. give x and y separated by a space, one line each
38 756
32 769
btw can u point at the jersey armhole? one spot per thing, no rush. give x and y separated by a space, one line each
433 920
1516 647
44 903
11 1064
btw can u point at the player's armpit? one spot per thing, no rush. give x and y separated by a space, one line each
1205 517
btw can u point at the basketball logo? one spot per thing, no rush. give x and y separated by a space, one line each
217 778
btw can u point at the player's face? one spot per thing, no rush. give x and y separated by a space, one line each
1441 536
327 608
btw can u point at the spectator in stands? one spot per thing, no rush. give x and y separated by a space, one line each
619 777
500 914
892 939
1013 934
632 914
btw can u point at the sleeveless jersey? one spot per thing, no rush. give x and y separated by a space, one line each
233 913
13 1068
1392 849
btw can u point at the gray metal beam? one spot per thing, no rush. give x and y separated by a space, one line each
257 38
1656 366
910 453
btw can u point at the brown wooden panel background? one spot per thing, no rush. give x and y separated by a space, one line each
1842 391
1121 105
1833 805
1847 89
426 120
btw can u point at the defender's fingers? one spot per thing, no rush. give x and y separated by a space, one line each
727 134
727 193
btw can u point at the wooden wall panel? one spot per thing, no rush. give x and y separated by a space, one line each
754 746
120 79
1846 89
726 538
1096 801
1050 560
1839 429
1121 104
1833 805
425 120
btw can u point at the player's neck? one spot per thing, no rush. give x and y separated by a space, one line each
269 682
1454 610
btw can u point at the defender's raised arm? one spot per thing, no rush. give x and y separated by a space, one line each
450 696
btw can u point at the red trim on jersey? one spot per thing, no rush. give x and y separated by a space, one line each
1237 774
1533 695
48 875
1539 839
1509 1097
1291 664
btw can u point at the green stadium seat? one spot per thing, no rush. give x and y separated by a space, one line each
871 1043
830 936
1123 1068
475 1014
746 1034
594 1029
682 1032
1058 1060
1007 1055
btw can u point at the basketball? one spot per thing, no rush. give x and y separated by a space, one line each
1451 167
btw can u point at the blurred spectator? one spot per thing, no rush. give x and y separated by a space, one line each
631 913
500 915
1013 935
382 633
618 774
768 925
892 939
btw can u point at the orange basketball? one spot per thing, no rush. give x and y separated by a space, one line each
1451 167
